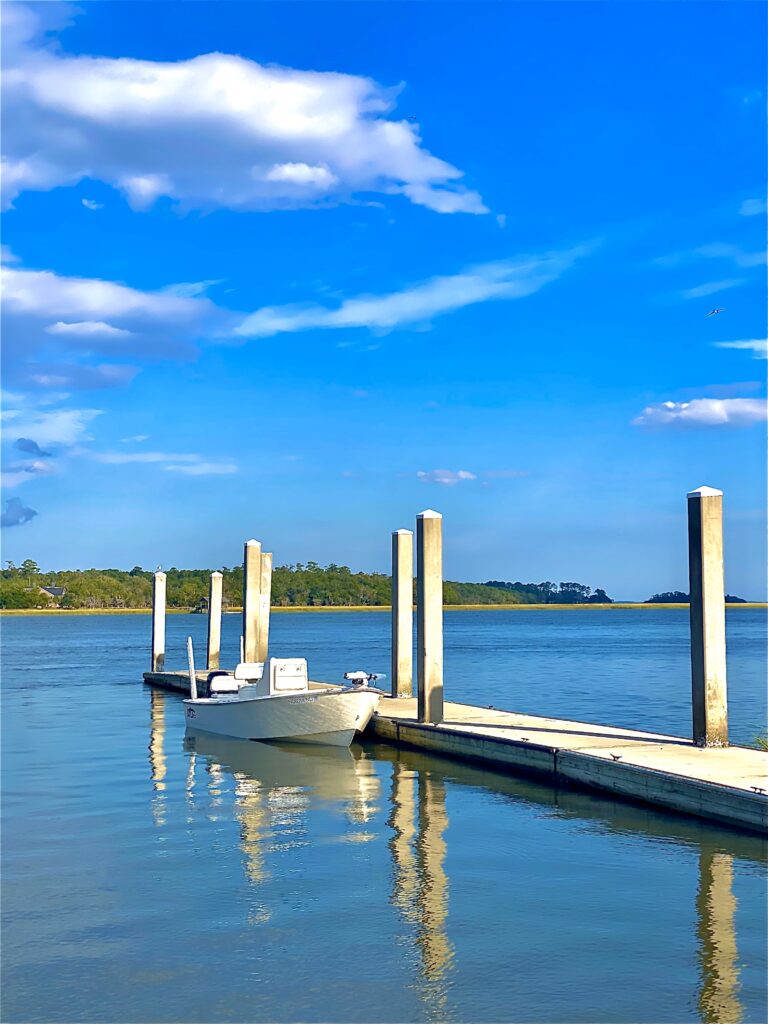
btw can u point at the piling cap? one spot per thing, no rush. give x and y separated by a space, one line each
429 514
705 492
253 543
216 574
401 533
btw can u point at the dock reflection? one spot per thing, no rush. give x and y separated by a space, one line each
271 789
419 821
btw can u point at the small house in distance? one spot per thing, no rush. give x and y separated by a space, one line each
54 594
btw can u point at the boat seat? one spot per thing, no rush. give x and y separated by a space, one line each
249 671
222 682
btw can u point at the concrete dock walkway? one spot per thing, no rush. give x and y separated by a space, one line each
724 784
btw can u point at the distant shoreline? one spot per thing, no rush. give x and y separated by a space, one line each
376 608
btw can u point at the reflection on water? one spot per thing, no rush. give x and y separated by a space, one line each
716 910
273 788
142 881
418 821
157 765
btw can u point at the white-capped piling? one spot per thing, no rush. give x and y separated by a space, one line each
402 613
251 589
429 615
214 620
707 610
265 598
191 667
158 621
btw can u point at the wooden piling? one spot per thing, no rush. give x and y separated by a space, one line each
429 615
707 612
158 622
214 620
402 613
265 597
251 587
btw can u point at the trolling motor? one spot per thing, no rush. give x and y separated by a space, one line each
361 678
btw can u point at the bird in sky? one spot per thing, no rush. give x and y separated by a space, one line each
713 311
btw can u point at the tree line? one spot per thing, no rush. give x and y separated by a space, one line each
307 584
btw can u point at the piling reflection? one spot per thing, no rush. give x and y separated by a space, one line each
157 764
418 820
716 914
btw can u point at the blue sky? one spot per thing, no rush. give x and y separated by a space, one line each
299 271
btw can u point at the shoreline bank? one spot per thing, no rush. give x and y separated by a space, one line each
617 606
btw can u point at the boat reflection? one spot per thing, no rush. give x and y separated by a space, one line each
271 789
274 785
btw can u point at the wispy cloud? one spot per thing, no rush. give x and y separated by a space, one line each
758 346
43 293
87 328
91 204
275 137
752 207
75 377
732 253
188 463
705 412
204 468
712 288
55 427
505 279
446 477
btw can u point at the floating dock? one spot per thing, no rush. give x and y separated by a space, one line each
701 775
728 785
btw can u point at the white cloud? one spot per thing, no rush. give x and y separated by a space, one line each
446 477
303 174
59 426
712 287
758 346
91 204
78 378
204 468
122 458
506 279
6 256
136 437
43 293
705 412
188 463
213 131
733 253
22 472
752 207
48 317
86 328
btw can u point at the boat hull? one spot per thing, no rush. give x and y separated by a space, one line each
328 717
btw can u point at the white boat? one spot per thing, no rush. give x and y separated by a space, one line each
273 701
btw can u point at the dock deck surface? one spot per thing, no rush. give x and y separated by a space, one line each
724 784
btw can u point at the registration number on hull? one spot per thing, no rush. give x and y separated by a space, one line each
301 700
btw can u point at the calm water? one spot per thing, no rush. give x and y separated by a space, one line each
146 878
